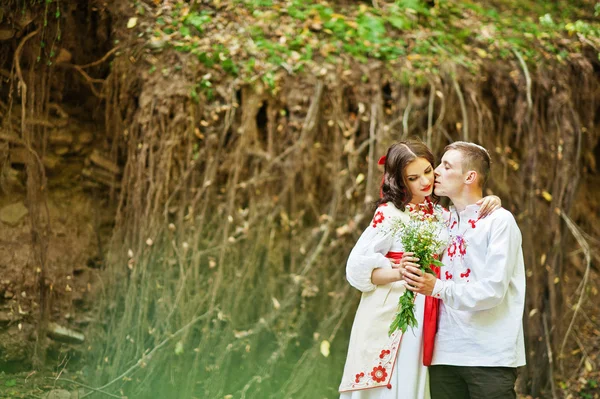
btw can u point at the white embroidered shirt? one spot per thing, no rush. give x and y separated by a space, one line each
482 288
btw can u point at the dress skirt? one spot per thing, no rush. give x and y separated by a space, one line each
409 379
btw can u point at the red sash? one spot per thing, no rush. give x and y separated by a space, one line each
429 317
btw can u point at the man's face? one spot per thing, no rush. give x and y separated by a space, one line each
449 176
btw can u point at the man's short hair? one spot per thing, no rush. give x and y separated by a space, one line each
475 157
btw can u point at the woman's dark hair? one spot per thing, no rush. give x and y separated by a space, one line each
395 186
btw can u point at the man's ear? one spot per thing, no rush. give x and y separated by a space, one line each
471 177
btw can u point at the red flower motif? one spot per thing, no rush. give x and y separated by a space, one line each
378 218
472 222
448 275
452 250
465 274
378 374
384 353
453 224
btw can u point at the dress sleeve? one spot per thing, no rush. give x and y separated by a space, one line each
370 250
497 269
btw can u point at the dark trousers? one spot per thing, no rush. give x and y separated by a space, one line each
460 382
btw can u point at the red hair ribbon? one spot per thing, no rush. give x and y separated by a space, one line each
381 160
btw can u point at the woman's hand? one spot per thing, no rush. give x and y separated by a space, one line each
408 259
489 204
381 276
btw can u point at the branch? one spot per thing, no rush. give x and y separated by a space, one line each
463 108
430 114
84 386
527 80
576 231
149 355
101 60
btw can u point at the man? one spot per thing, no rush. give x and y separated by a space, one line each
479 342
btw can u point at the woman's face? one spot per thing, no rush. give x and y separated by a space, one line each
420 179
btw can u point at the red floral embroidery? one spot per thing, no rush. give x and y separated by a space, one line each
448 275
378 218
452 250
453 224
472 222
465 274
359 376
384 353
389 386
378 374
462 246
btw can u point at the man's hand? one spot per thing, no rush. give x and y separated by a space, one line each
418 281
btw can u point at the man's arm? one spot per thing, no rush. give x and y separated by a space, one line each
493 276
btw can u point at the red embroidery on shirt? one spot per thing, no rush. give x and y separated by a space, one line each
472 222
462 246
384 204
453 224
384 353
378 218
448 275
389 386
465 274
451 250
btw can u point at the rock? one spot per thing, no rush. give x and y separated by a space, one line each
60 137
57 394
64 334
5 318
61 150
19 156
85 137
6 32
50 161
64 56
12 214
100 176
104 163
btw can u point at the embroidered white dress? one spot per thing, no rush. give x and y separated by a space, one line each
379 366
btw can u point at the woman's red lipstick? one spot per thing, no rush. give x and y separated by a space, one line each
427 188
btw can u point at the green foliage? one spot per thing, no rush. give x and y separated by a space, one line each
290 36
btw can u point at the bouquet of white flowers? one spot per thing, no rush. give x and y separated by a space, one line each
420 235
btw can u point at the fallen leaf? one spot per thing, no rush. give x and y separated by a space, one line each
132 22
179 348
276 304
547 196
325 348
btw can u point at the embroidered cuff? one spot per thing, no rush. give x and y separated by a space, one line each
437 289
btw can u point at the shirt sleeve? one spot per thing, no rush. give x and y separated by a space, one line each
370 250
493 273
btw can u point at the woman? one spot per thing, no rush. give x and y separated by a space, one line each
379 365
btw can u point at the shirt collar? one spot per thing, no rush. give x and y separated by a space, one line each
470 212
